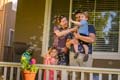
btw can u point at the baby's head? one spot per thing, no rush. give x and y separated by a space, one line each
84 16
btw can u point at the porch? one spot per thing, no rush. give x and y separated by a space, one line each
12 71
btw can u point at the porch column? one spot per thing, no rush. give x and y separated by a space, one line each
3 12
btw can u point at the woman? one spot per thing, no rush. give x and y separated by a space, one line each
61 32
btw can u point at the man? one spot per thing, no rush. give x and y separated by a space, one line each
89 39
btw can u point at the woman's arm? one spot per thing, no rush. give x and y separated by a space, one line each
64 32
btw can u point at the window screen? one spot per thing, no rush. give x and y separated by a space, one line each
105 16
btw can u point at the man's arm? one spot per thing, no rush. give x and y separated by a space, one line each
64 32
90 39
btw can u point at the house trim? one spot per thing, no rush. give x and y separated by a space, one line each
47 17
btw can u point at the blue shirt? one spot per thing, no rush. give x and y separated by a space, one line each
83 28
91 29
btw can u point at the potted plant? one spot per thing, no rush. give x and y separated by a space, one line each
28 66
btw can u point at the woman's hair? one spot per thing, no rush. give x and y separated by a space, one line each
57 19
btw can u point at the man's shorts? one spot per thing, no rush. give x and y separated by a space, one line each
79 60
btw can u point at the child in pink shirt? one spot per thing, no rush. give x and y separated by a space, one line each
50 59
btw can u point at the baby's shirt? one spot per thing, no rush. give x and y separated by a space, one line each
83 28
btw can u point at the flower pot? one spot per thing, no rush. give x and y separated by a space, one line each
27 75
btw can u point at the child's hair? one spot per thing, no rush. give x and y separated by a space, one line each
86 14
51 48
57 19
49 51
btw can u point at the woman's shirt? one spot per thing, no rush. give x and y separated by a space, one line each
59 42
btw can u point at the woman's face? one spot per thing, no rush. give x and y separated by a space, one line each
53 53
64 22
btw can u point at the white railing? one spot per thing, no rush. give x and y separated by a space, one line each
11 71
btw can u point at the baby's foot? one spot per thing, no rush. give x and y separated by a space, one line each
76 55
86 56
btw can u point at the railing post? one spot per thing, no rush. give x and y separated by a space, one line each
18 73
82 75
55 75
91 76
109 76
118 76
47 74
73 76
11 73
39 74
64 75
5 73
100 76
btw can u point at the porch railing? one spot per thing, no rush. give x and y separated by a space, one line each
11 71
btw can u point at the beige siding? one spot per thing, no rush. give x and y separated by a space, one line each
29 23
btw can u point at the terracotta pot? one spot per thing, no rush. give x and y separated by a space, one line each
27 75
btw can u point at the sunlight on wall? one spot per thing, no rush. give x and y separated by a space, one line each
14 5
1 4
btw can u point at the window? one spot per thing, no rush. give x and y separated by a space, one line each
105 16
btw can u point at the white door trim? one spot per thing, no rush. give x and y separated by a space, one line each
119 36
47 17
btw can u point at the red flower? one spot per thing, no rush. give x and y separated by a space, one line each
33 61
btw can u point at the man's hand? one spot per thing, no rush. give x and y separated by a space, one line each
89 39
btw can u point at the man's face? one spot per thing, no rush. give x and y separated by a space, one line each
77 16
80 16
